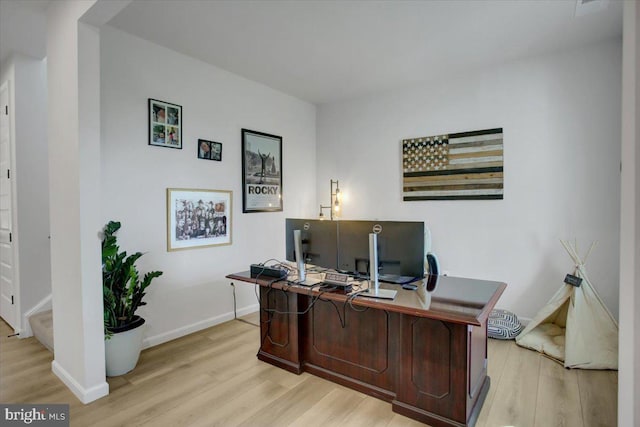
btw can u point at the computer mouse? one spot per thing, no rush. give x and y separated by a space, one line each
409 287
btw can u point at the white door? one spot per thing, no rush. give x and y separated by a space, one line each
7 306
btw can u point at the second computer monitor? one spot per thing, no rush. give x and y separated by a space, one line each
400 247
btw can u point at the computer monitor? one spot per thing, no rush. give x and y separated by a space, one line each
400 247
319 241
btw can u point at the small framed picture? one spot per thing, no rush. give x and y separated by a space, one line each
209 150
216 151
165 124
198 218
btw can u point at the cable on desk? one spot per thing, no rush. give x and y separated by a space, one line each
305 311
271 312
269 288
354 296
278 263
343 320
349 301
270 284
323 288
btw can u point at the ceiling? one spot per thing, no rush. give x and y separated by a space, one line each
23 28
326 51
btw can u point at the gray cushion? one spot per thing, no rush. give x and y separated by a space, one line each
503 325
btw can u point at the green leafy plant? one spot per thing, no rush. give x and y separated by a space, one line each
121 286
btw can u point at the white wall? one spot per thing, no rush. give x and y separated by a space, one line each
561 121
193 292
32 179
31 174
629 357
73 81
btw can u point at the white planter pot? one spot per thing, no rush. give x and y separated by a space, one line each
122 350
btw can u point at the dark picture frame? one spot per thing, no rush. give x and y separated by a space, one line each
209 150
165 124
261 172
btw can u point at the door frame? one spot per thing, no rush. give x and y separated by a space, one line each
9 87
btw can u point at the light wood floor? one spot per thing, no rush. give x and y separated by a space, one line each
213 378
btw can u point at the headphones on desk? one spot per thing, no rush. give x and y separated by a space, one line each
433 266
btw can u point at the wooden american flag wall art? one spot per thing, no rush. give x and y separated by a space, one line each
457 166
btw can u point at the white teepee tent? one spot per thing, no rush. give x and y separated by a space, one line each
575 327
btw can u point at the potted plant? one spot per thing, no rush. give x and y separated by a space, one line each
122 292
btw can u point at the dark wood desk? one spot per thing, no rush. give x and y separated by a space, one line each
425 352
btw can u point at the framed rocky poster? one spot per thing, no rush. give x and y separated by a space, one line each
261 172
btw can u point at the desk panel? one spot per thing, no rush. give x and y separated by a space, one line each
361 343
363 347
432 373
279 329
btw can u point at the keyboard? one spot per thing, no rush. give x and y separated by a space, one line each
397 279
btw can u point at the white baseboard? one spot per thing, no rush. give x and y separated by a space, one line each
43 305
85 395
195 327
248 310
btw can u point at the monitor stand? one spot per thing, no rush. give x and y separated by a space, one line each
380 293
308 282
374 290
